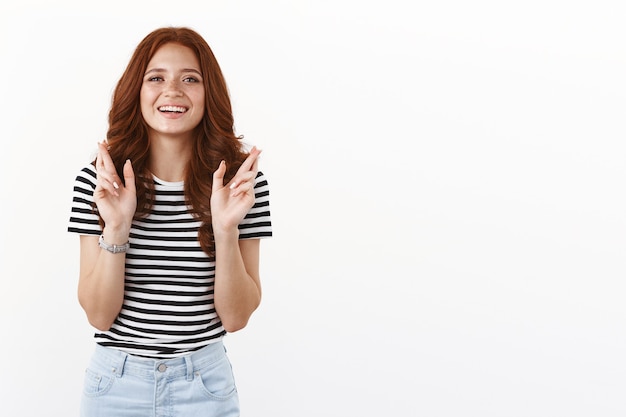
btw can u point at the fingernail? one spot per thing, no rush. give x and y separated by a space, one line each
115 185
233 185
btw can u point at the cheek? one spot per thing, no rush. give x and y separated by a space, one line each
147 99
198 99
143 99
199 104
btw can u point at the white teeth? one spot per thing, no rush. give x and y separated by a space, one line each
175 109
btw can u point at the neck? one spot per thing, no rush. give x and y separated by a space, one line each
169 157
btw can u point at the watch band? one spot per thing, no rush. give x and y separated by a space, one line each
113 248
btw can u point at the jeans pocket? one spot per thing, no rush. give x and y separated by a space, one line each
217 380
96 384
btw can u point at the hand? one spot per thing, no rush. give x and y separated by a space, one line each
116 202
231 202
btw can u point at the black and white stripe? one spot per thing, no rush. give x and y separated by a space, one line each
168 305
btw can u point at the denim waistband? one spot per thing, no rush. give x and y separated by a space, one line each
122 363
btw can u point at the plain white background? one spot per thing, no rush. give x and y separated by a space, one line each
448 201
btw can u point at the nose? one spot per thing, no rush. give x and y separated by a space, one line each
172 89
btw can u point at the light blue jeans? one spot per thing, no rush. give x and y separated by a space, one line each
199 384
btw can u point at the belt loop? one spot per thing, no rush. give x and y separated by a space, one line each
118 364
189 365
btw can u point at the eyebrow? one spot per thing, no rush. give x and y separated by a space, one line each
164 70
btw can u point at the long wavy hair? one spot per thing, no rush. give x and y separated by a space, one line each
215 138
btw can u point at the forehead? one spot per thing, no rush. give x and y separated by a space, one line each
172 56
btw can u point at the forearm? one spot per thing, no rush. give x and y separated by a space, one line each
237 291
101 285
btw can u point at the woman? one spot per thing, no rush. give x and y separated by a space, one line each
170 215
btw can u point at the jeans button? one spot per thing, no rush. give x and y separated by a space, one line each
162 367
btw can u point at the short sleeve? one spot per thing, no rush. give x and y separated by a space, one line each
257 224
84 218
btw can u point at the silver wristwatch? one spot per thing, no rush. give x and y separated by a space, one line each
113 248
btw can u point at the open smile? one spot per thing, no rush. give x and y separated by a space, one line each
173 109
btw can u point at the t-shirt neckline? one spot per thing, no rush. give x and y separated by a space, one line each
167 183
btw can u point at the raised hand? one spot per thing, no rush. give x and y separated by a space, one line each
116 201
231 202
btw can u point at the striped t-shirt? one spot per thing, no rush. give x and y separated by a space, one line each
168 307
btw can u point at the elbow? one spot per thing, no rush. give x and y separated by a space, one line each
99 320
234 325
100 323
237 321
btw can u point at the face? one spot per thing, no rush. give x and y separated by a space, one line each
172 93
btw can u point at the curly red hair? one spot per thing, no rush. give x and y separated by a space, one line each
215 139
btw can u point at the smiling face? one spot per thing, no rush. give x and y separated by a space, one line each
172 93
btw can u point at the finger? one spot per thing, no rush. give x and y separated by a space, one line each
242 189
218 177
241 178
255 166
129 176
107 186
106 158
105 166
249 162
105 176
99 163
102 173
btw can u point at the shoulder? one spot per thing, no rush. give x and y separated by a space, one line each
85 181
84 217
261 187
87 174
260 180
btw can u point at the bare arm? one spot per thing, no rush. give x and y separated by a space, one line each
101 283
237 282
101 280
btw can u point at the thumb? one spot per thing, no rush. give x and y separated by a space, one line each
218 177
129 176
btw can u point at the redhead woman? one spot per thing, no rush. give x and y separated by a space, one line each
170 216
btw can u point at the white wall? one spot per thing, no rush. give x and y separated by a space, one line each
447 188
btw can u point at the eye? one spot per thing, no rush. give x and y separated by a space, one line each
155 78
190 79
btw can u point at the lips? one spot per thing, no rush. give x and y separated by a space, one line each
172 109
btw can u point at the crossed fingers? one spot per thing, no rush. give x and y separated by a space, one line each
243 181
105 170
